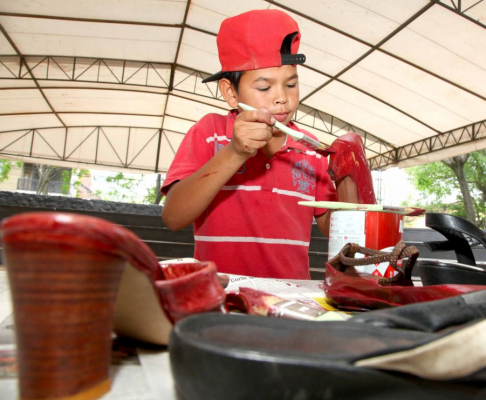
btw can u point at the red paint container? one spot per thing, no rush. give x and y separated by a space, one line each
372 229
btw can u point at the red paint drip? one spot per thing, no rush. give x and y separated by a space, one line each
209 173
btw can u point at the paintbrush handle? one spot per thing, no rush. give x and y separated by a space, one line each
296 135
336 205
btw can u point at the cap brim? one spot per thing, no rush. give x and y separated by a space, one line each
287 59
215 77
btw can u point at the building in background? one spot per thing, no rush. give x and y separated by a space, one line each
47 180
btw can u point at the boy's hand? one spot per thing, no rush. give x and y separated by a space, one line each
251 131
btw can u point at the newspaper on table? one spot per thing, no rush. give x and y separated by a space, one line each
300 299
295 299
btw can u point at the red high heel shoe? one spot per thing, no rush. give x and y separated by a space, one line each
349 168
346 288
71 277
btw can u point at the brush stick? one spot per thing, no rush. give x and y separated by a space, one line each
336 205
296 135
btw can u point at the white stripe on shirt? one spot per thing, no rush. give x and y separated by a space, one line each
241 187
313 153
292 193
217 138
249 239
306 152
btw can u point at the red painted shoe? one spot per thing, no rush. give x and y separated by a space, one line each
349 289
71 277
349 168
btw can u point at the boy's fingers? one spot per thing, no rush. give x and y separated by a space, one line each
262 115
260 132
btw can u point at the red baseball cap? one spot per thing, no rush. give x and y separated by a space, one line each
257 39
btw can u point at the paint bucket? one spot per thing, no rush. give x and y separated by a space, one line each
371 229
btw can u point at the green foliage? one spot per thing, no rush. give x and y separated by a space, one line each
476 172
66 181
75 179
131 188
151 196
439 189
435 179
127 188
5 167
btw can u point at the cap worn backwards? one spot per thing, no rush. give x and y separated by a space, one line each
257 39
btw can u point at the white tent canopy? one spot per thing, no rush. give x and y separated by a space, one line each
116 84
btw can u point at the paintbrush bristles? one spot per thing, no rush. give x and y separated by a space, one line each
408 211
413 211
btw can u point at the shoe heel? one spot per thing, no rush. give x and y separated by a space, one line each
63 293
71 277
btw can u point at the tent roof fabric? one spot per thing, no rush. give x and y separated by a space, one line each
116 84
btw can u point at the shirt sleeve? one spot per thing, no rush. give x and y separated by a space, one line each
195 150
325 189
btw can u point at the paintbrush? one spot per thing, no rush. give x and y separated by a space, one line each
300 137
336 205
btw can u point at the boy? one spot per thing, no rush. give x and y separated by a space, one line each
237 178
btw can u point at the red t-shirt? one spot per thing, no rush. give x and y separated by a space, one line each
254 226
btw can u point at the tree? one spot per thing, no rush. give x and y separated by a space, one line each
48 173
457 166
456 186
476 168
73 181
117 186
158 196
44 174
131 188
5 168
